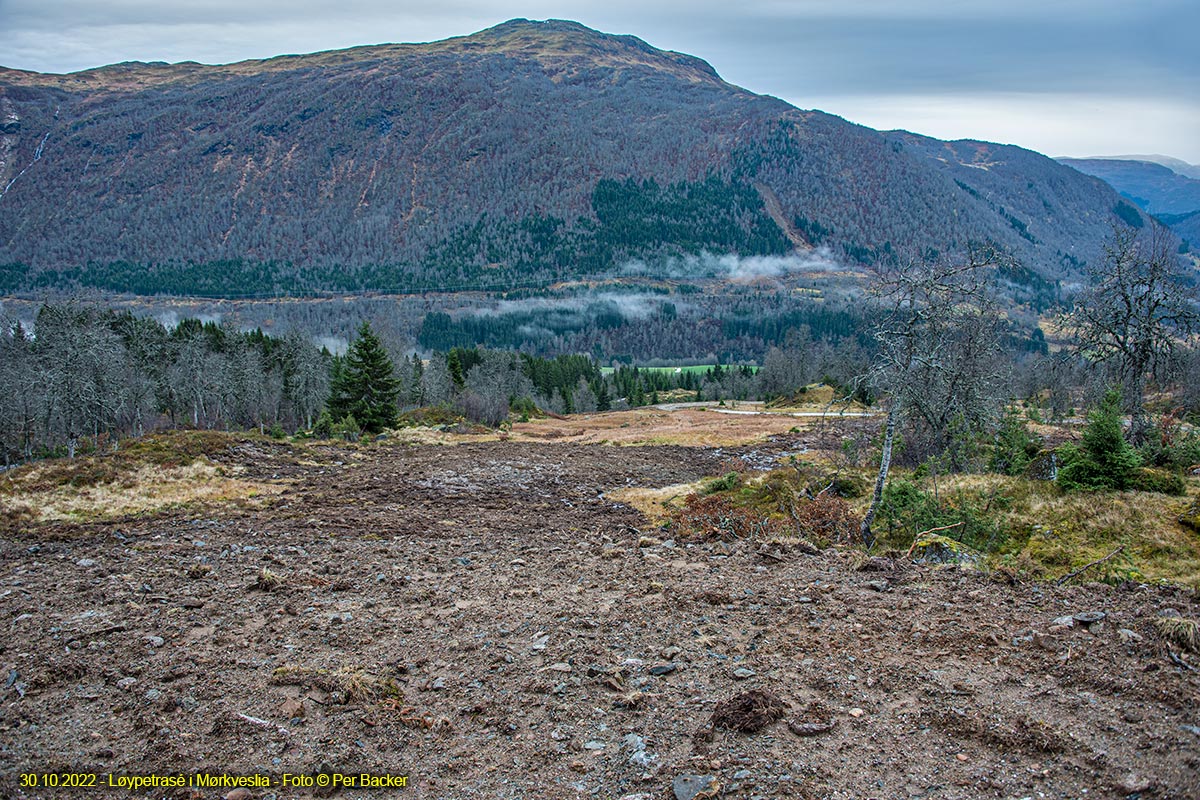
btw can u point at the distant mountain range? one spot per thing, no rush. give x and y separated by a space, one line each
1165 187
1174 164
1154 187
531 151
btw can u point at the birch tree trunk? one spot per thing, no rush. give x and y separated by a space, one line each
885 463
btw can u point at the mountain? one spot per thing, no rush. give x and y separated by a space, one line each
1174 164
531 151
1154 187
1185 226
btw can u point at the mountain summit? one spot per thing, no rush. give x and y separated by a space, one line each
528 151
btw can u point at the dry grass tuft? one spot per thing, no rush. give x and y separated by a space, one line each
656 504
146 475
346 685
1182 632
749 711
266 581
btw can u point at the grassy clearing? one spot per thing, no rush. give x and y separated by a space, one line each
1047 533
1026 526
145 475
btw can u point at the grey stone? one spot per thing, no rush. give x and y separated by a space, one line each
1134 783
633 742
691 787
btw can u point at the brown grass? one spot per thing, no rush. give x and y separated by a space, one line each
353 684
1181 632
656 504
143 490
707 426
145 475
1053 532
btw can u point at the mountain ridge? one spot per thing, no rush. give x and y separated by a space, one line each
526 37
1155 187
538 150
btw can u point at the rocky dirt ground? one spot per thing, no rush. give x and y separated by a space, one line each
483 619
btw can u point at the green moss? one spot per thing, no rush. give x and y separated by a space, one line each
1152 479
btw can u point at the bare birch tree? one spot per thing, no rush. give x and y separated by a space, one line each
1136 313
938 335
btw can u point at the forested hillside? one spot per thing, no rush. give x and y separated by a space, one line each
519 155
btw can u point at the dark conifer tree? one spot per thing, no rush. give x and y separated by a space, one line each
603 399
363 385
455 366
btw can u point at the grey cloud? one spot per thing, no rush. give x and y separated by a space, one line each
630 305
736 268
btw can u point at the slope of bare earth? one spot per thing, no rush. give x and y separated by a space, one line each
484 619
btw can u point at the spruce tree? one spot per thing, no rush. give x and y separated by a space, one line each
416 391
362 384
454 365
603 398
1103 459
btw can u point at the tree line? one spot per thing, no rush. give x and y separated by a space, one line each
942 352
85 374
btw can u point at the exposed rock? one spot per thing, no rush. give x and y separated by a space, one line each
1043 467
809 728
695 787
292 708
1088 618
933 548
1191 517
1128 636
1134 783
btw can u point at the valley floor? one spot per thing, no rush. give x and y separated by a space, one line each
483 618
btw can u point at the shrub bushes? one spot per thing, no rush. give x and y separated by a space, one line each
906 510
715 517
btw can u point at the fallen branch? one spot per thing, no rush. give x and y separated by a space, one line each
1086 567
262 723
917 538
1180 662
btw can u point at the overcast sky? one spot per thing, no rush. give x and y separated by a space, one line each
1065 77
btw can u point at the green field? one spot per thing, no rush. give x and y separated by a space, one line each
694 369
